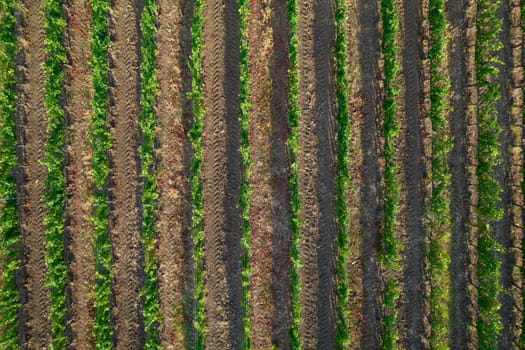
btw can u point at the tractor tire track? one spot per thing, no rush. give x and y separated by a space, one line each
463 123
371 186
221 175
125 233
260 53
79 228
415 293
31 124
279 174
173 153
508 231
316 161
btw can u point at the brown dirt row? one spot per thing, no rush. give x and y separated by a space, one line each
79 248
261 45
279 173
415 171
221 175
371 185
508 231
461 16
125 217
356 160
31 121
316 161
173 153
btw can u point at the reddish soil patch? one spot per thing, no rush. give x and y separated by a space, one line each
78 95
125 218
31 123
221 175
173 215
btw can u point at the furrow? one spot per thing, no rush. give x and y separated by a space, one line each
316 163
371 186
462 165
261 305
79 181
279 174
124 214
221 175
31 120
415 174
173 214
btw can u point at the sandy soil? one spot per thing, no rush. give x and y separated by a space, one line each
31 123
78 95
124 163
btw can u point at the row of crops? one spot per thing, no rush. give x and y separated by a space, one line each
438 225
9 233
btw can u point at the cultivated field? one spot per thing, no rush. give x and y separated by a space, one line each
261 174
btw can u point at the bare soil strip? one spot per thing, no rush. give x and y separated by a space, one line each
124 215
462 165
173 215
261 45
221 175
371 186
316 160
78 96
415 308
508 231
356 160
279 173
31 123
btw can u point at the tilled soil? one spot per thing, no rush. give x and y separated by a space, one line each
31 120
125 216
270 210
279 173
371 186
173 214
415 168
461 15
221 175
78 95
261 45
316 173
